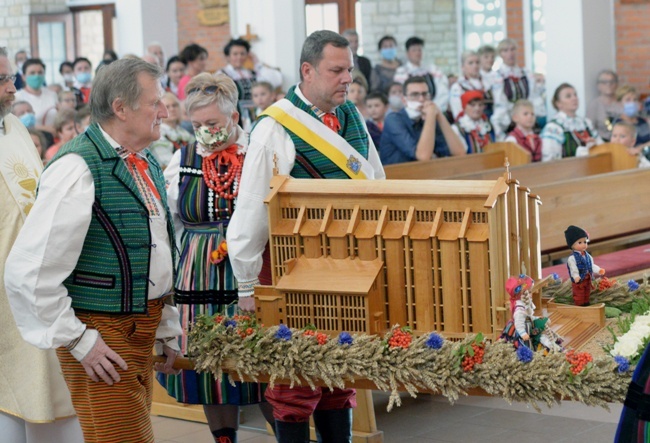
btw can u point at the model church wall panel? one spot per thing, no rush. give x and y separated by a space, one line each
441 249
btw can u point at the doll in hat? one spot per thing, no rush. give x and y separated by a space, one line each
524 328
581 266
472 126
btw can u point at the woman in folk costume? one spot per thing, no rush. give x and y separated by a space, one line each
237 52
634 424
567 134
512 83
472 126
35 404
524 328
470 80
203 181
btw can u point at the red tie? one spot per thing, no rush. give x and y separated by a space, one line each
332 122
141 165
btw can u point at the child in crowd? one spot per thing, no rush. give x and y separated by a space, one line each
395 95
82 119
624 133
581 266
66 100
472 126
64 125
377 106
357 94
263 96
39 141
523 115
25 112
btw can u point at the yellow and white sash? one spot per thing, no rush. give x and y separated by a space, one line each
321 138
20 164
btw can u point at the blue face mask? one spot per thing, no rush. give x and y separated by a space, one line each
388 53
35 81
83 77
29 120
630 108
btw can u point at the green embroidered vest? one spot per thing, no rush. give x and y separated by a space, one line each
310 163
112 274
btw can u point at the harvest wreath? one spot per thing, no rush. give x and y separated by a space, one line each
401 361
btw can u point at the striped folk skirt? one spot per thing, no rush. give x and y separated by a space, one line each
205 288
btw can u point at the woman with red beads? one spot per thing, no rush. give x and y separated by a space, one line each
203 181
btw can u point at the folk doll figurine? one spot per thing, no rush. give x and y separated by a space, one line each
581 265
524 329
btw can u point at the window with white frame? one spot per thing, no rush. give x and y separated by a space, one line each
482 22
537 37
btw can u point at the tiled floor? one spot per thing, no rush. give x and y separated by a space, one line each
431 419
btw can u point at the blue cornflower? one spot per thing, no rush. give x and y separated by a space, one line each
555 276
283 333
524 354
623 364
434 341
345 338
632 285
230 323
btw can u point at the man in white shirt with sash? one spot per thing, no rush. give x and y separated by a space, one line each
314 132
89 272
33 393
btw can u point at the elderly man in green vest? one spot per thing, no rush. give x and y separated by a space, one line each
314 132
90 271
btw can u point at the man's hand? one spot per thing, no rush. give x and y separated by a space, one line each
168 366
98 363
430 111
246 304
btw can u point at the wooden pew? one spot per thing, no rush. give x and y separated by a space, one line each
613 207
494 156
605 158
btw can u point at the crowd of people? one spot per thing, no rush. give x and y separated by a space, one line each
181 229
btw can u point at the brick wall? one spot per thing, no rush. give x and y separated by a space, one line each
213 38
633 44
515 27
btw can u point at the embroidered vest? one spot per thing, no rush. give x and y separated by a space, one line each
573 139
532 143
516 88
310 163
112 274
475 141
583 263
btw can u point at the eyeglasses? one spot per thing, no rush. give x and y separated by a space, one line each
416 95
207 90
607 82
6 78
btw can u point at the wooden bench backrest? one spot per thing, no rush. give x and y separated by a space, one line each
621 160
535 174
494 156
605 205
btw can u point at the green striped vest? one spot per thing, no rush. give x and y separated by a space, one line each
112 274
310 163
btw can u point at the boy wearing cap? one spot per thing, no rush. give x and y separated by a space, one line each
581 265
472 125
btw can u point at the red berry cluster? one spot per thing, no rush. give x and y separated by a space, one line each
470 360
605 283
218 319
578 361
241 318
246 332
400 339
321 338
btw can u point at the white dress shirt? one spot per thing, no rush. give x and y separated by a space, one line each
248 230
48 248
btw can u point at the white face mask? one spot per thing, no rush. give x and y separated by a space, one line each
395 101
68 78
414 109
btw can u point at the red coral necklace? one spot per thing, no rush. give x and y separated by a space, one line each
221 183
